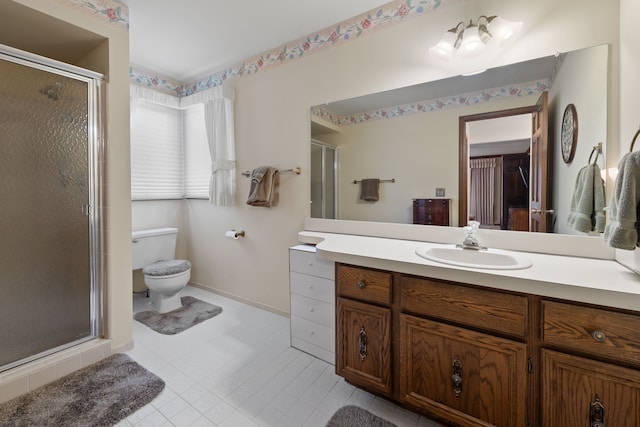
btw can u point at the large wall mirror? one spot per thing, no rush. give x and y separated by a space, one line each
421 142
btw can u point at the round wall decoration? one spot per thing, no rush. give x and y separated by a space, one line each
569 135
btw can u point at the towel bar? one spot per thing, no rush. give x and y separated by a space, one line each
355 181
297 171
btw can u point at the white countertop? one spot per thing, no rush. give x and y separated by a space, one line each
595 281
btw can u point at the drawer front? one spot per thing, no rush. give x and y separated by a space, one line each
313 333
314 310
308 263
596 331
364 284
480 308
313 287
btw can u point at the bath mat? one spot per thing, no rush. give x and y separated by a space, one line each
99 395
352 415
192 312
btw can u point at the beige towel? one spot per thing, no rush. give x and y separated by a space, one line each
265 182
369 190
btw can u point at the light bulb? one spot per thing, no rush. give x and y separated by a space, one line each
502 30
444 49
471 44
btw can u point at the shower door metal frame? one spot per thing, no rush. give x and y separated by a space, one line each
95 156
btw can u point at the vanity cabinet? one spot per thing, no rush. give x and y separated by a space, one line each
363 340
452 364
466 377
312 296
476 356
589 366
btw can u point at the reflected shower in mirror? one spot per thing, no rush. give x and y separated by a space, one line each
412 134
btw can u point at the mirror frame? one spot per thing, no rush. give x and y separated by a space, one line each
463 150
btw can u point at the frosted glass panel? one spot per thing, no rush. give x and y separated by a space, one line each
45 280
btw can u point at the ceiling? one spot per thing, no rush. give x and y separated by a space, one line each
526 71
201 37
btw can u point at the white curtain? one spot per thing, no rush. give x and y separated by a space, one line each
219 121
482 199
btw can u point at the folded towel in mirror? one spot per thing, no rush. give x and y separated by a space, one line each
370 189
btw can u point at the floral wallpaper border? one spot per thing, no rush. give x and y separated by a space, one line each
518 90
112 11
388 14
391 13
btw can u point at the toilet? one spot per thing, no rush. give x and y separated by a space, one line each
154 252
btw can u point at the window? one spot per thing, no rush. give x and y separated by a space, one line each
157 152
169 153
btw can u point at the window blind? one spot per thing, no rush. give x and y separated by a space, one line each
157 152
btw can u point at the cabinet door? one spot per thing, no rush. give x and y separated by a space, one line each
580 392
363 345
466 377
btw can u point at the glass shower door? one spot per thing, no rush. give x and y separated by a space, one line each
48 230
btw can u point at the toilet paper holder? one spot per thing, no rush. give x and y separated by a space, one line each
234 234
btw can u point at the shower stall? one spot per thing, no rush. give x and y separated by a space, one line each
50 231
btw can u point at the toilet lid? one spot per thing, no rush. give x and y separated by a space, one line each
167 267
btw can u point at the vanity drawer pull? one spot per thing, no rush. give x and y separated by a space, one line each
598 336
361 284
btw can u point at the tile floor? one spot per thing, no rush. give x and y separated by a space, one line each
238 370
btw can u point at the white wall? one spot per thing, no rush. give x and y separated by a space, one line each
579 78
272 126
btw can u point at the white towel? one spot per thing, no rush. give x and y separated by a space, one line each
622 230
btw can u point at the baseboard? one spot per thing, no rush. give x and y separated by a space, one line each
240 299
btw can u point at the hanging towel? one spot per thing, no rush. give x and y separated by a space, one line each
370 189
587 202
265 182
622 230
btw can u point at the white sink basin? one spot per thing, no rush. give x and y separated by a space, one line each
492 259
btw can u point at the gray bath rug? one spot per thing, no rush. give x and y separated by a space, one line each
192 312
351 415
99 395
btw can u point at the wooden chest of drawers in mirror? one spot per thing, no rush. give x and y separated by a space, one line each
431 211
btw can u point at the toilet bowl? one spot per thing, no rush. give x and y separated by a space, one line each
164 276
165 279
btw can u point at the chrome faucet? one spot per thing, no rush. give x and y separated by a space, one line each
471 241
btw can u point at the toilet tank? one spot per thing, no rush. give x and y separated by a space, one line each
149 246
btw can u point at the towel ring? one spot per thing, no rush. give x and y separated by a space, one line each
633 141
596 149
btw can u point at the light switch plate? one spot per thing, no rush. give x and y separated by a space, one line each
439 192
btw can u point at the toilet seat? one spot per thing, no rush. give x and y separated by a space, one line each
169 267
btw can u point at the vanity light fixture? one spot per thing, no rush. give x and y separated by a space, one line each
469 40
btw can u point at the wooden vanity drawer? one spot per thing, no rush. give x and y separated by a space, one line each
480 308
595 331
364 284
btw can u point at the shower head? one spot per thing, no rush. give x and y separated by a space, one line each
52 91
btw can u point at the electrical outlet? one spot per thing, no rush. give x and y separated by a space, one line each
439 192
